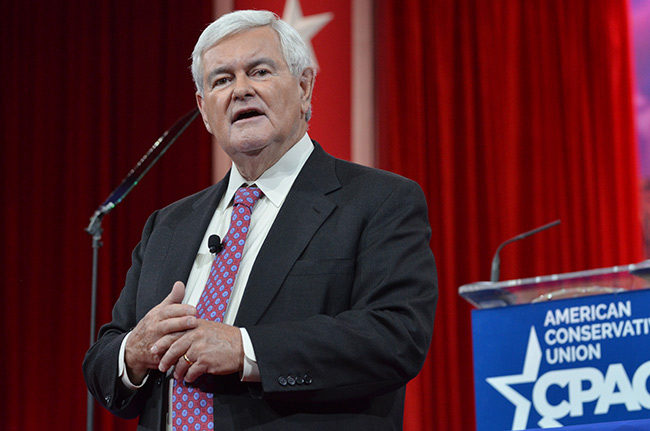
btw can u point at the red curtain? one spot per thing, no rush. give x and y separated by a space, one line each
510 114
87 87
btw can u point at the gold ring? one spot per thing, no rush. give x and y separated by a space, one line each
187 359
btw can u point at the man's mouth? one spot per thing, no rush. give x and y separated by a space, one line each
249 113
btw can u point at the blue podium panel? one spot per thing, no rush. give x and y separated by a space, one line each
561 363
637 425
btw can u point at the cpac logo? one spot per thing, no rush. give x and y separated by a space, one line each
583 385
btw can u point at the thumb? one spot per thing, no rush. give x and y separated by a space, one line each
176 295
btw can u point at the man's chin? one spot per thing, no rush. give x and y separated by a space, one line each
250 146
253 146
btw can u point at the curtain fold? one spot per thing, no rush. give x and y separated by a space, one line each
510 114
87 87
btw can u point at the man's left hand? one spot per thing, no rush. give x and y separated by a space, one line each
210 348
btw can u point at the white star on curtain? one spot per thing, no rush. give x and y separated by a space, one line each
307 26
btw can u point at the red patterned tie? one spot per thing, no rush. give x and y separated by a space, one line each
192 408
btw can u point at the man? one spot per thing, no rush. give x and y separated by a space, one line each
330 309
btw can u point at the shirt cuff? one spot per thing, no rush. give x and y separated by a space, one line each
251 372
121 368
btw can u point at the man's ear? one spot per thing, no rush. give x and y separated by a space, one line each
204 115
307 87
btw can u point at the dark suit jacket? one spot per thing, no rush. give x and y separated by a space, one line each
339 305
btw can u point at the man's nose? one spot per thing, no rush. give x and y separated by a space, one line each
243 87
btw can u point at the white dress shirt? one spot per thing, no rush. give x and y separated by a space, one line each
275 183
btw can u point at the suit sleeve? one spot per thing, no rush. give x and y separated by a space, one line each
376 305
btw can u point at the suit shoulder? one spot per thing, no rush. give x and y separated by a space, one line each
349 172
189 203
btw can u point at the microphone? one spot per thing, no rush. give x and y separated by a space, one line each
214 243
496 262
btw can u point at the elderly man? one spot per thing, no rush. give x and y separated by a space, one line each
313 304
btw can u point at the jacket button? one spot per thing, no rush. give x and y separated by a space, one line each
308 379
300 380
291 380
282 381
107 398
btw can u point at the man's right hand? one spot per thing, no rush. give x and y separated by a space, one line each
169 320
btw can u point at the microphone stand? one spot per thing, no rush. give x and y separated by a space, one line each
95 227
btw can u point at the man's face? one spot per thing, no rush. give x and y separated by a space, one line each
252 103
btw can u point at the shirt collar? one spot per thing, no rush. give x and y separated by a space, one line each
277 180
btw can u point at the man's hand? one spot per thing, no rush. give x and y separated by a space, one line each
157 330
210 348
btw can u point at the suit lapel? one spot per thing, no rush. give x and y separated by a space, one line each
187 237
303 212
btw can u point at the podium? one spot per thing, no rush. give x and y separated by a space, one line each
564 350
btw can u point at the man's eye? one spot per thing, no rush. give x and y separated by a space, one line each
219 82
261 72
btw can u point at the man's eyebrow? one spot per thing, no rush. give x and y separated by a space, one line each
217 71
251 64
262 60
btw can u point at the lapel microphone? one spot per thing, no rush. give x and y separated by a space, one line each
214 244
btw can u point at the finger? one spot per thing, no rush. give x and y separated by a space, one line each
194 372
177 324
161 345
174 352
176 295
172 311
182 366
159 323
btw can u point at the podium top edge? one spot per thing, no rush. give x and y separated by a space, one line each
487 294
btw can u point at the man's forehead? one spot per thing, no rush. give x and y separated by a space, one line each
260 44
263 35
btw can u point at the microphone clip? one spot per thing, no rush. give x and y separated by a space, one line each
214 244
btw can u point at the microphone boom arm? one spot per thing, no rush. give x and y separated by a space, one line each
496 261
141 168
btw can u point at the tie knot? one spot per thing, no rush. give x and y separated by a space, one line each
247 196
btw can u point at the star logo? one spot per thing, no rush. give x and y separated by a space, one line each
307 26
528 375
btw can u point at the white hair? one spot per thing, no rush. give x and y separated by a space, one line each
294 49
